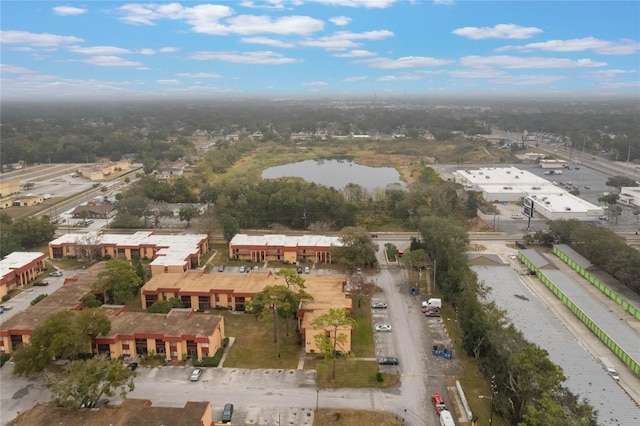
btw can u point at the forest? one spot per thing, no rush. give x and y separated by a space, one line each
80 133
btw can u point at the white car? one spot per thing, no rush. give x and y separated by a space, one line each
56 273
512 256
378 305
383 327
195 374
517 216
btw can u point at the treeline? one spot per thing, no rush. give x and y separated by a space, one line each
528 387
24 234
292 203
603 247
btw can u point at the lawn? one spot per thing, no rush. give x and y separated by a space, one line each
254 345
362 344
354 418
473 382
350 373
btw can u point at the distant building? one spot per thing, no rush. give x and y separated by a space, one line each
9 187
99 171
283 248
553 164
27 200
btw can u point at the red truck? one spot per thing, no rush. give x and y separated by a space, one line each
438 402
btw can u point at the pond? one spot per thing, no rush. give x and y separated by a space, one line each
338 173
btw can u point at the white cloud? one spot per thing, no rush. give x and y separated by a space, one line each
355 54
172 82
529 80
199 75
401 77
267 41
147 51
369 4
355 78
405 62
287 25
12 69
262 57
604 47
444 2
268 4
69 10
110 61
343 40
207 19
168 49
340 20
99 50
314 83
516 62
33 39
498 31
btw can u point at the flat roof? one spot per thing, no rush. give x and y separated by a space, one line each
129 412
175 249
279 240
176 323
18 259
511 180
65 298
325 289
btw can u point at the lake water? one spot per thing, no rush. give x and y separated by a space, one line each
338 173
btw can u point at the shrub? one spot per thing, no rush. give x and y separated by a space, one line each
379 377
38 299
225 342
4 358
6 297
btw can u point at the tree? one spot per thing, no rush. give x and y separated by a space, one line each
88 246
620 181
118 282
357 250
340 323
360 287
90 301
188 212
610 199
83 383
164 306
66 334
230 226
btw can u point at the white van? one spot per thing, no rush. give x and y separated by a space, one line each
432 303
446 419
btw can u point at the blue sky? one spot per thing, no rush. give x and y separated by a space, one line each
313 48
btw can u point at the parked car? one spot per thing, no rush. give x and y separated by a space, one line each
383 327
227 413
6 307
41 283
221 268
307 270
132 366
1 310
388 360
374 235
517 216
512 256
587 187
604 217
195 374
56 273
378 305
299 269
242 268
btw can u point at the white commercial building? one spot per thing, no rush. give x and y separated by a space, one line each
511 184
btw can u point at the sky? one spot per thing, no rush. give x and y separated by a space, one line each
317 48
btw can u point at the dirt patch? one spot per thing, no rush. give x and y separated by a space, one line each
354 418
